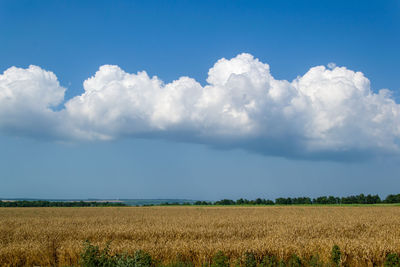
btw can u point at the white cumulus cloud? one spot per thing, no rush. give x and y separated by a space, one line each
27 97
326 113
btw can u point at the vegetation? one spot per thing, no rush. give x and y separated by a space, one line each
220 260
44 203
392 260
358 199
323 200
335 255
392 199
183 236
92 256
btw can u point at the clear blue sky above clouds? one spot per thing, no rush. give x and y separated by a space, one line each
171 39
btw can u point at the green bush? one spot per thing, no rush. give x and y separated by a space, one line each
392 260
315 261
294 261
335 255
250 260
220 260
142 259
93 257
269 261
124 260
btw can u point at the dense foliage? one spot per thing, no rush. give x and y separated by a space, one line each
45 203
358 199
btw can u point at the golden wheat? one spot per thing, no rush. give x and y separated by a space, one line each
55 236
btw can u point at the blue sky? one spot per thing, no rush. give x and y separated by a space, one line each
47 154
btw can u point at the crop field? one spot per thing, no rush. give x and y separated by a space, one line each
55 236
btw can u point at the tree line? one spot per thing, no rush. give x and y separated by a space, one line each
45 203
356 199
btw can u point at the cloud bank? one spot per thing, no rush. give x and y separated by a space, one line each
326 113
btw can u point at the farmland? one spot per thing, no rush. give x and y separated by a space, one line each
55 236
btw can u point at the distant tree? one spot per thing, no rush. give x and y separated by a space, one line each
240 201
392 199
301 200
225 202
283 201
259 201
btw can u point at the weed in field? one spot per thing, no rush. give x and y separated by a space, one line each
142 259
269 261
220 260
250 260
92 256
315 261
392 260
124 260
336 255
294 261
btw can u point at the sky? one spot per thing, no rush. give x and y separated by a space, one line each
199 99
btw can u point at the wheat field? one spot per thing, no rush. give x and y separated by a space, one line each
55 236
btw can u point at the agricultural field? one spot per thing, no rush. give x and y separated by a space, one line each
56 236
